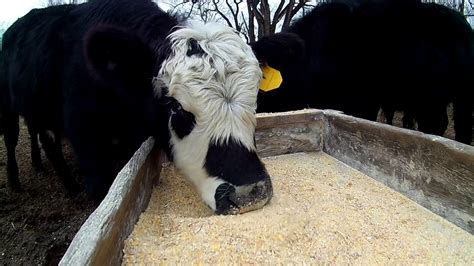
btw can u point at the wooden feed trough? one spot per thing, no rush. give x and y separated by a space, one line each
435 172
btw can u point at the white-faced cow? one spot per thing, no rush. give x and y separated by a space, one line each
107 74
357 56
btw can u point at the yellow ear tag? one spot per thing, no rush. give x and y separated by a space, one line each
271 79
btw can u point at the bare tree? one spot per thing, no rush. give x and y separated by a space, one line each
464 7
60 2
253 18
257 18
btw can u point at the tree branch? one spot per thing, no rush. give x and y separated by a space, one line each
288 14
235 13
190 11
251 25
301 3
216 9
278 13
256 12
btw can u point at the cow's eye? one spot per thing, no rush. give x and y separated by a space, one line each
176 106
194 48
173 104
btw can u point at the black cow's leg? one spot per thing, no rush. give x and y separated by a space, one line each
97 165
408 119
389 112
11 131
369 112
1 123
92 152
35 150
463 113
97 187
52 147
95 177
360 106
432 118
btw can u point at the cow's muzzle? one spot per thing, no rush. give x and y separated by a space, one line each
232 199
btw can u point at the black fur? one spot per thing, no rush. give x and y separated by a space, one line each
24 82
84 72
283 53
359 56
182 121
234 163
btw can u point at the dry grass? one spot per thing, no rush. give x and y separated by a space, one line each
322 212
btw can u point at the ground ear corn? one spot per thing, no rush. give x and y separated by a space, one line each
322 212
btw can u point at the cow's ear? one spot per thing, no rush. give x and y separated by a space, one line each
280 50
116 55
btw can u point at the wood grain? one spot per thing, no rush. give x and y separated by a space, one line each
282 133
275 120
101 238
435 172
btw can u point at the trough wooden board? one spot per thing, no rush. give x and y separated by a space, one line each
435 172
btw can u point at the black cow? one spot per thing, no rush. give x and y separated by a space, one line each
356 57
389 109
107 74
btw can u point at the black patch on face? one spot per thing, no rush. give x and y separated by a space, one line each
234 163
194 48
182 121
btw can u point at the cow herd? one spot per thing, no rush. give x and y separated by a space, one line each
107 74
363 56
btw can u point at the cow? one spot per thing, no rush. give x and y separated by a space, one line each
107 74
19 85
35 149
357 57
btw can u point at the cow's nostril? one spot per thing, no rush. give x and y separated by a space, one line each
223 195
232 200
223 191
251 198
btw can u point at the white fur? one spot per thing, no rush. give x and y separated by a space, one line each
220 88
189 155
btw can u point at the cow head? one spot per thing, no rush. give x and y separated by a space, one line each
284 52
209 83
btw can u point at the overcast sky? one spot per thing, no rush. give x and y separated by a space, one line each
11 10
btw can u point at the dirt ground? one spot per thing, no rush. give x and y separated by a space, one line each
37 225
